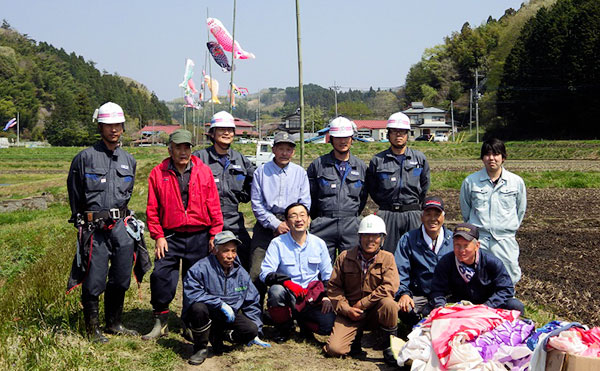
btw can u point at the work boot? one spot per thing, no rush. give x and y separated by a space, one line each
284 332
160 326
92 327
200 344
356 350
388 355
113 310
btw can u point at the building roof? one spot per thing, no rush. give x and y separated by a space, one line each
434 125
423 110
370 124
168 129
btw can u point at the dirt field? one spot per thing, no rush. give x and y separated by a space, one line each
560 250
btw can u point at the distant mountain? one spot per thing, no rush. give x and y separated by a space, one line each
55 93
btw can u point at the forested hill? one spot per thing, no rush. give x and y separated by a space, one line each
447 71
56 93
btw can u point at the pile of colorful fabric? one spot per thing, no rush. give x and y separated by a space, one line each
476 337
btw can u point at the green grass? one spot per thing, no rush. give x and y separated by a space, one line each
41 326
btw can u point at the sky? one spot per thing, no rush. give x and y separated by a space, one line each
356 44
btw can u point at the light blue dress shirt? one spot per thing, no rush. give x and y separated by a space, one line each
303 264
274 189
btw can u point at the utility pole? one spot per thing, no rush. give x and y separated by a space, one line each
470 110
477 102
258 116
335 88
300 90
452 117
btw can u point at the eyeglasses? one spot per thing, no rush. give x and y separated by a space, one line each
398 131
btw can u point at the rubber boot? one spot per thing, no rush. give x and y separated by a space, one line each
284 332
388 355
217 335
92 327
200 344
356 350
160 326
113 310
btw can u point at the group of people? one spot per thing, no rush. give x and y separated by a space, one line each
343 276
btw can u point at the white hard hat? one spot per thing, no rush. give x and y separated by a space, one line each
372 224
398 120
341 127
109 113
222 119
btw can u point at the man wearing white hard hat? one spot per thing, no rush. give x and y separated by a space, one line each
337 190
397 181
233 174
362 288
99 184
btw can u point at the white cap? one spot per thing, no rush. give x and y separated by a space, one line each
372 224
109 113
341 127
222 119
398 120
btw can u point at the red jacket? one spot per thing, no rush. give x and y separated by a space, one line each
165 206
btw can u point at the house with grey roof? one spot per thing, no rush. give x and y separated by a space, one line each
427 120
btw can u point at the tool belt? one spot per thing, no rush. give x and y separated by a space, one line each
400 208
338 214
105 215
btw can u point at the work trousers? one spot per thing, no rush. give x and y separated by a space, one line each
396 224
185 249
309 318
338 233
244 330
383 314
506 250
416 314
261 238
109 245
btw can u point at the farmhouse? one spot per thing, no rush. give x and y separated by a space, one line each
150 134
426 120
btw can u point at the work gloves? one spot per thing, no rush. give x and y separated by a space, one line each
228 312
297 290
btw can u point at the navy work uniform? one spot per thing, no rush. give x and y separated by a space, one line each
398 184
100 184
338 196
233 175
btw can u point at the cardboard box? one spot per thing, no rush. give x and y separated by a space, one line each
561 361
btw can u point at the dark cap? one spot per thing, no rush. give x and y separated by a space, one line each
226 236
283 137
466 231
436 202
180 136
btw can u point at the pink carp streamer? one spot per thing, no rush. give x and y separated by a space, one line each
225 40
192 86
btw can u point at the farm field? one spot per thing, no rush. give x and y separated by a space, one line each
40 325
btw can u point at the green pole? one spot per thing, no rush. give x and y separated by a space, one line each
232 61
300 90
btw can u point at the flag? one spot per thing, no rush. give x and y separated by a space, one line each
10 124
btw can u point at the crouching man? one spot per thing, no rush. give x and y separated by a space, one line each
472 274
220 301
362 288
297 267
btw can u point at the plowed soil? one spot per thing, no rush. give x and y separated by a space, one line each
560 250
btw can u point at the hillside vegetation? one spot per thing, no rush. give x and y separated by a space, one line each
55 93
